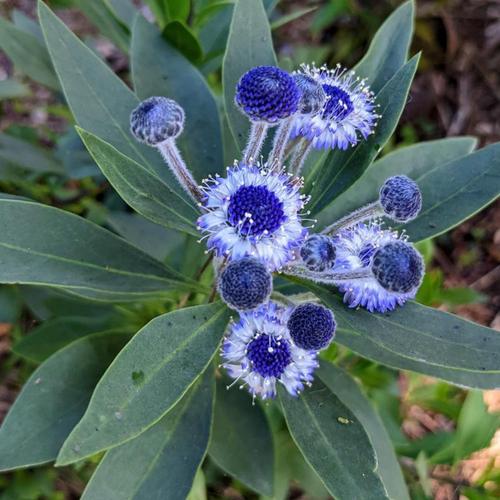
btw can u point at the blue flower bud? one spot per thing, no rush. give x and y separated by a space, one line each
156 119
318 253
313 97
398 267
400 198
311 326
245 284
268 94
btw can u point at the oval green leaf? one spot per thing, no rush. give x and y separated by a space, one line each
242 443
161 462
149 376
455 191
159 69
43 245
421 339
413 161
249 44
349 392
334 442
142 190
53 400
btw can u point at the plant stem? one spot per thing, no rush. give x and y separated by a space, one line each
370 211
280 142
300 153
256 139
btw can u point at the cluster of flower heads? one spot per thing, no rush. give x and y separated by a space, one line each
254 221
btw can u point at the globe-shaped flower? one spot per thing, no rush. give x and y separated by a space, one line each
318 253
398 267
348 112
401 199
267 94
312 95
245 284
312 327
356 248
253 212
259 352
156 120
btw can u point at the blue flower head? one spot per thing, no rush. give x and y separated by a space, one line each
156 119
267 94
347 114
318 253
254 212
259 352
356 248
312 95
312 327
400 198
398 267
245 284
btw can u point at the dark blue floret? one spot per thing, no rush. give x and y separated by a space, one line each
318 253
255 210
269 355
156 119
400 198
339 104
245 284
398 267
312 327
267 93
312 95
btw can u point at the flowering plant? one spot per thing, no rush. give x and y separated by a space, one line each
305 241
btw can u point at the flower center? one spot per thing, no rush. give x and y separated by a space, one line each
366 253
269 355
338 105
255 210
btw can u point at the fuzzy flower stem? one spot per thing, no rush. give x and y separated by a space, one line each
329 278
300 154
284 299
370 211
256 139
173 158
280 141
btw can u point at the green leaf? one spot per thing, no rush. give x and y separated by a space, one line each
242 444
11 304
342 168
183 39
100 15
27 53
333 441
149 377
389 48
100 102
413 161
45 246
28 25
56 333
348 391
28 156
12 89
199 489
124 10
53 400
475 427
455 191
297 14
420 339
249 44
142 190
159 69
151 238
161 462
177 9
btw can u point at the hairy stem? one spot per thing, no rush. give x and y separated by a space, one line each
280 142
173 158
300 154
256 139
370 211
